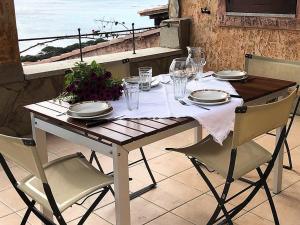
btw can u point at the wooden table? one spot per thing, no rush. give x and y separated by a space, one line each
116 139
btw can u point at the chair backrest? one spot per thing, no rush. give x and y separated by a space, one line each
24 153
253 121
272 68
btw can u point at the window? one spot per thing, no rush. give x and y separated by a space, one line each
262 6
269 14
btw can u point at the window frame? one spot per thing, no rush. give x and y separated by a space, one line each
270 9
258 20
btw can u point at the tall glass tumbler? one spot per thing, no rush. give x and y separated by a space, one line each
131 92
145 74
179 85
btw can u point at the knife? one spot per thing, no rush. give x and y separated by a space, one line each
235 96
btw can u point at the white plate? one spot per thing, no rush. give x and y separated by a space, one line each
154 82
69 114
209 95
230 79
230 74
209 103
89 108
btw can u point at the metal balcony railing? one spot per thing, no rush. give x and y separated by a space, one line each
81 36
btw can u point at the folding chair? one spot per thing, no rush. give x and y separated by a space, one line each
143 159
276 68
239 154
286 144
57 185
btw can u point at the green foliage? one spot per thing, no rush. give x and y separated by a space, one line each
91 82
50 51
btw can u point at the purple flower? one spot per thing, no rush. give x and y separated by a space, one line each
94 76
107 75
71 88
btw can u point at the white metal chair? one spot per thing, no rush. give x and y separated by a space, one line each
57 185
239 154
279 69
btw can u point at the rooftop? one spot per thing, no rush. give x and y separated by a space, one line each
154 11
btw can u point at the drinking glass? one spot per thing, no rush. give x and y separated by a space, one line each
145 74
196 57
131 91
179 86
178 71
178 64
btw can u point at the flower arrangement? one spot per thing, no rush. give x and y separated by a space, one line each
90 82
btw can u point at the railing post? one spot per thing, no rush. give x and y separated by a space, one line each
80 45
133 39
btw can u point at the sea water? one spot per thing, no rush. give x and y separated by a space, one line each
40 18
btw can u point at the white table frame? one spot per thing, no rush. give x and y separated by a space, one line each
119 154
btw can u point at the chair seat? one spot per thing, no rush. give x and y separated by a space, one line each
70 178
249 156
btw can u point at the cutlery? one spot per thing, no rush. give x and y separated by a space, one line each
186 104
102 121
235 96
207 76
165 82
61 114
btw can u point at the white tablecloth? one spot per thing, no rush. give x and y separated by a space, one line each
159 102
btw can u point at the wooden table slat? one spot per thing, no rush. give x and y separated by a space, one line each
165 121
52 106
135 126
256 87
149 123
123 130
99 131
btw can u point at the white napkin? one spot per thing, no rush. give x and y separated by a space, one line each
159 102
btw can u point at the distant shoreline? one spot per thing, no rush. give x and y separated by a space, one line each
64 17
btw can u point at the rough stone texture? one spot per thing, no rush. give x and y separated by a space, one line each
177 34
8 33
174 9
14 118
226 46
9 50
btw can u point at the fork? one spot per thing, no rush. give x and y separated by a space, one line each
186 104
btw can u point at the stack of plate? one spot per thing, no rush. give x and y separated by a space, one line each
90 110
209 97
230 75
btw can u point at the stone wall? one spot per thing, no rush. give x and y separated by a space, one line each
8 38
14 118
10 66
226 46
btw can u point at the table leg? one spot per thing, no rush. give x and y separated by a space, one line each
278 167
41 144
198 134
121 184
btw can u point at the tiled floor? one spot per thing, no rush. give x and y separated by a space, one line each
181 198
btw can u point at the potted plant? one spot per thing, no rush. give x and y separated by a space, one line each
86 82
